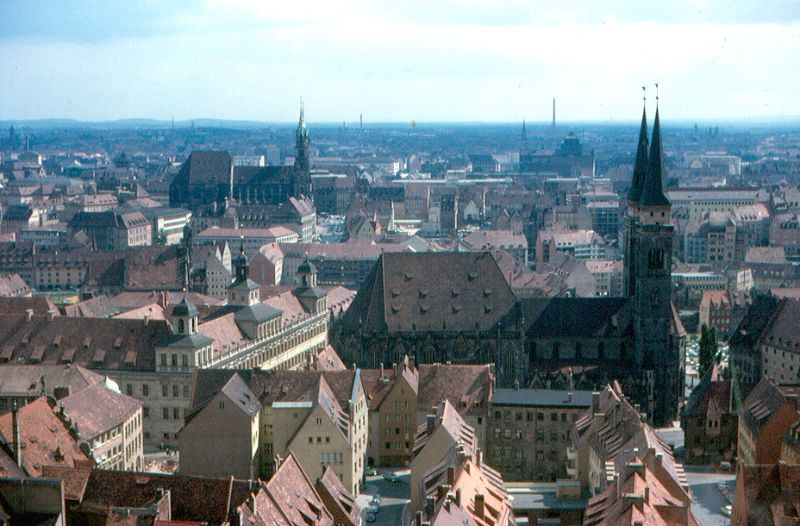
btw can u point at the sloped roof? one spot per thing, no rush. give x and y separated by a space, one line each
338 500
208 167
95 343
295 496
770 494
402 293
45 438
97 409
576 317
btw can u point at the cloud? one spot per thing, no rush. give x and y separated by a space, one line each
445 60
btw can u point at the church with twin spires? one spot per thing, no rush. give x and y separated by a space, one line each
459 308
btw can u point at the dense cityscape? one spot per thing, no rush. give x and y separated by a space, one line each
230 322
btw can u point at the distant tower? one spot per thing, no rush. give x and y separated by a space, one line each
523 140
302 162
553 125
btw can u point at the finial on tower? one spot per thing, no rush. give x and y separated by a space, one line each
644 95
656 94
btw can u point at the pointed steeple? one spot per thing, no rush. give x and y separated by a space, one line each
653 188
523 143
640 165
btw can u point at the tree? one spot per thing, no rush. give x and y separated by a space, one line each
708 349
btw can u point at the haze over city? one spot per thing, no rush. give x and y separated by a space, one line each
443 61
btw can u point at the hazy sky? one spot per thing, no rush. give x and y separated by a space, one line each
429 60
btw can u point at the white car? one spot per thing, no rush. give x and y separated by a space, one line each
727 510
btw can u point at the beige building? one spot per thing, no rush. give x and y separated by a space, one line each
221 439
393 413
110 423
154 360
319 417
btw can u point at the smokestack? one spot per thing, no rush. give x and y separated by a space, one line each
554 115
17 434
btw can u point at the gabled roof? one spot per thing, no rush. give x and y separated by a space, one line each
244 399
762 403
338 500
402 294
294 495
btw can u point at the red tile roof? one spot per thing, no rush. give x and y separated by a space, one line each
46 440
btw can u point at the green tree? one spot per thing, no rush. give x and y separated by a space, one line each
708 349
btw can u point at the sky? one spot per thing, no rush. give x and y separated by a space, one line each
398 61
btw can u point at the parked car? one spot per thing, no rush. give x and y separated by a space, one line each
371 517
372 509
372 472
376 500
727 510
391 477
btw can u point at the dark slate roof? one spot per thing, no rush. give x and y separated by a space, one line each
184 308
640 165
541 398
754 322
782 328
182 341
209 167
653 188
433 291
762 403
576 317
310 292
258 313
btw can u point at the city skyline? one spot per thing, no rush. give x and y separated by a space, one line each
450 62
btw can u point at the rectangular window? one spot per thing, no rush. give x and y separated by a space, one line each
165 413
145 390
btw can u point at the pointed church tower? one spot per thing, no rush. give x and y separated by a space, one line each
301 178
648 261
631 219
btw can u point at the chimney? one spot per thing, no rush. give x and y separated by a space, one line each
451 475
647 494
29 312
479 502
430 506
516 385
458 497
430 423
17 433
569 396
418 521
381 370
51 314
595 402
617 486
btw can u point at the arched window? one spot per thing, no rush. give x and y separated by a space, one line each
181 327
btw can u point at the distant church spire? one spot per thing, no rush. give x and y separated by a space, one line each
640 165
653 189
523 144
302 162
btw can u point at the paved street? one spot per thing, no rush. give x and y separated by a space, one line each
395 497
708 499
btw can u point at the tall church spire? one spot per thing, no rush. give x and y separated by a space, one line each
302 163
640 166
653 188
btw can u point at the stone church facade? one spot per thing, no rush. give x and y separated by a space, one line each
457 307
